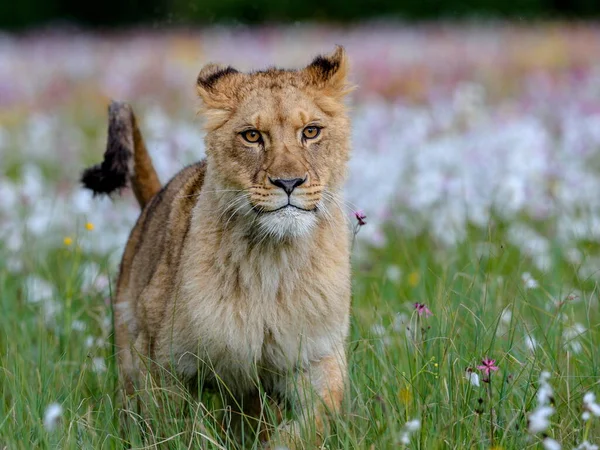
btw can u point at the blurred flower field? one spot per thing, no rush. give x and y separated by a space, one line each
476 160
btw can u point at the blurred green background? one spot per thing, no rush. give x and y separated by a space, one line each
108 13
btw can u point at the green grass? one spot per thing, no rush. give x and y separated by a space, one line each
396 374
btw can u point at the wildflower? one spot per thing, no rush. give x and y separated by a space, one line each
98 365
539 419
585 445
360 217
52 416
529 281
590 405
68 241
89 226
506 316
488 366
89 341
405 395
413 279
410 427
551 444
78 325
472 377
530 343
393 273
413 425
544 393
423 309
38 289
92 279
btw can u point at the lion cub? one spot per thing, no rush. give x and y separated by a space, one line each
238 270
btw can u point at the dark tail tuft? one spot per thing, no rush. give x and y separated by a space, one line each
113 173
101 181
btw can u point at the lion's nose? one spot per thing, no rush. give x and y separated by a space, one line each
289 184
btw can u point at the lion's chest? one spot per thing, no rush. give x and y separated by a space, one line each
243 322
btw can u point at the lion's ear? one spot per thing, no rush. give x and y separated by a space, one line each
330 73
217 86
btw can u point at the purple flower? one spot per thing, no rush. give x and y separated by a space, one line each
488 365
360 217
423 309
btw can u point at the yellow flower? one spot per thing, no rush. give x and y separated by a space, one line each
68 241
405 395
413 279
89 226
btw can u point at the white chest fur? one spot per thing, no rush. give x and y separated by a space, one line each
270 308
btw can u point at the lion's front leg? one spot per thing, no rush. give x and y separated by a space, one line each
317 393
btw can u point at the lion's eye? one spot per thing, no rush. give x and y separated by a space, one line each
311 132
252 136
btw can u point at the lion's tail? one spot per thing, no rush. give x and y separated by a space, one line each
126 159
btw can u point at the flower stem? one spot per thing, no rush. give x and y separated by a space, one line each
587 429
489 390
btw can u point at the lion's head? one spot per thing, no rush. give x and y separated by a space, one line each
277 142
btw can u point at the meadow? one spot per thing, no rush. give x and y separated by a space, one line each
476 160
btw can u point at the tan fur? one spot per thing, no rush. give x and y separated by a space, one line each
218 282
144 182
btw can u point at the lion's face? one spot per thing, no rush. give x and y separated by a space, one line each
278 142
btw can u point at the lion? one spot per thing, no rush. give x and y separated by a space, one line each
238 269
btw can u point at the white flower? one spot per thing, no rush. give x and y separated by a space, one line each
409 427
585 445
98 365
472 377
78 325
93 279
539 419
89 341
107 323
530 343
551 444
405 438
52 416
544 393
585 416
506 316
589 397
393 273
38 289
589 404
529 281
413 425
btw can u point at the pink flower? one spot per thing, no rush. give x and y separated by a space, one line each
423 309
488 366
360 217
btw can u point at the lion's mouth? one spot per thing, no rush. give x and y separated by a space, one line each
289 206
